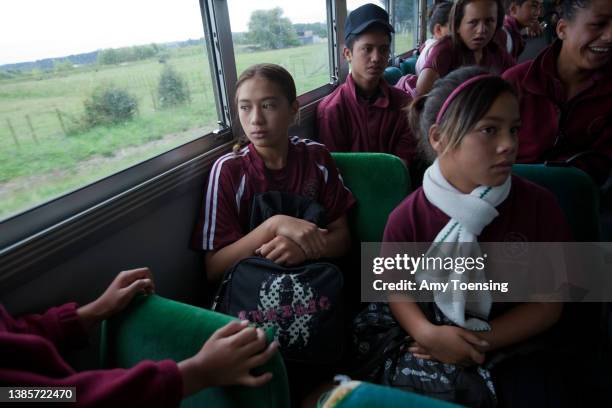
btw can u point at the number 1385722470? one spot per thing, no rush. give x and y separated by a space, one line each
38 394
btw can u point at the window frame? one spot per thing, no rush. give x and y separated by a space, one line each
336 17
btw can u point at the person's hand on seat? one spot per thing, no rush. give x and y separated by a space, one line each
117 296
227 358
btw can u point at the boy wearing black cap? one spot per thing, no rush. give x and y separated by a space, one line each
365 114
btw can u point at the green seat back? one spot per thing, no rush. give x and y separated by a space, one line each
379 182
392 75
367 395
155 328
408 66
577 195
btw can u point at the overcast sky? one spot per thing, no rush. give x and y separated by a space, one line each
37 29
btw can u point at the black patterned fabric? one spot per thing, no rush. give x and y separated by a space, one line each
302 304
381 347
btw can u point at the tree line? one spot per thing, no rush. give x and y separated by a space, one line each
268 29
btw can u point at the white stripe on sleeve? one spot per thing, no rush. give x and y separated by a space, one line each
212 198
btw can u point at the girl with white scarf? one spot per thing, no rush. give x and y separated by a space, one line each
469 124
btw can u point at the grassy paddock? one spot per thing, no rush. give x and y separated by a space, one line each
404 41
42 156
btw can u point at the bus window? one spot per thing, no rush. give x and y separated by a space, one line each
285 33
91 88
405 17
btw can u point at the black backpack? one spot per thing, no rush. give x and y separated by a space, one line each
303 303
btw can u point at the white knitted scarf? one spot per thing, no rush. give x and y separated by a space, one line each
469 214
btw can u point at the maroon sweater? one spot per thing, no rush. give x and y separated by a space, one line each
349 123
30 356
555 128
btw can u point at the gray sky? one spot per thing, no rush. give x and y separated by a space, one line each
37 29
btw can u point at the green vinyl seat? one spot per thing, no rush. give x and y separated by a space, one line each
379 182
392 75
367 395
156 328
408 66
576 193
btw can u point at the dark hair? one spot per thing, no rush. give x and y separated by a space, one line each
439 14
350 40
456 15
273 73
570 7
508 3
464 111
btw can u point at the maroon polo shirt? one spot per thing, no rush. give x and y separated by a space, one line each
350 123
30 356
444 58
554 128
512 28
237 177
530 213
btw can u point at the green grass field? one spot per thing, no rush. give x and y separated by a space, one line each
404 41
42 156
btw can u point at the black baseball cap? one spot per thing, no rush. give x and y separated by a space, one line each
363 17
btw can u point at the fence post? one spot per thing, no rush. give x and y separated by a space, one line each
205 87
8 122
59 116
31 128
153 96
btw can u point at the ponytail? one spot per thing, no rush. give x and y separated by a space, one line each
240 143
419 128
439 14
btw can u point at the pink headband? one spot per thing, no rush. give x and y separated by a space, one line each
454 94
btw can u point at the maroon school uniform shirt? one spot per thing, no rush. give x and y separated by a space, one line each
30 356
236 178
530 213
443 58
350 123
513 29
554 128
